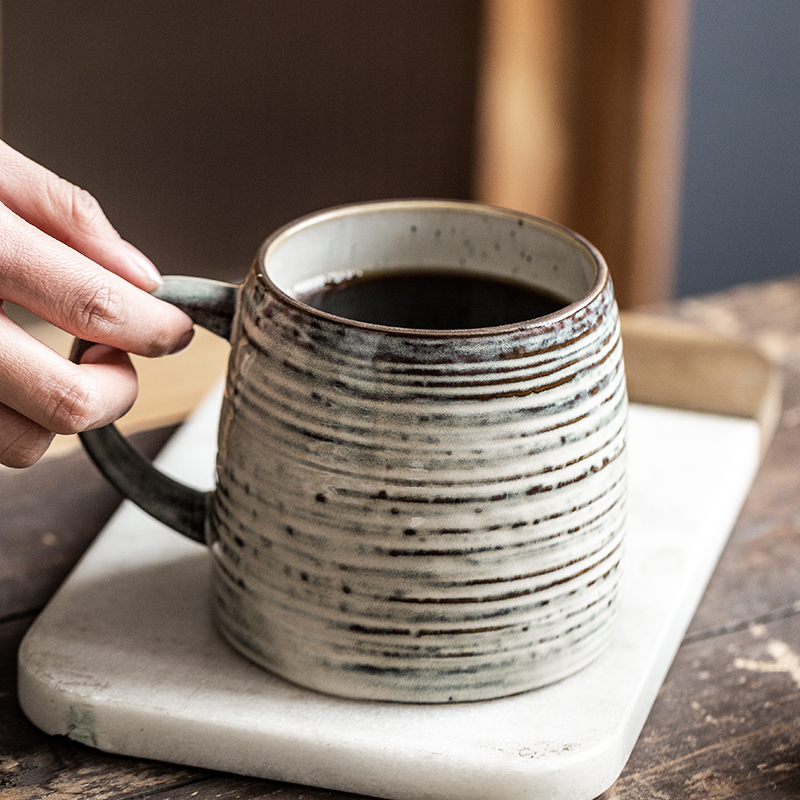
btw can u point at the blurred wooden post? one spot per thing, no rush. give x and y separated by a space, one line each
580 119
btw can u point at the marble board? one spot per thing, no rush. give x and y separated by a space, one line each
125 658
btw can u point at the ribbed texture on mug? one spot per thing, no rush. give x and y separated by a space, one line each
436 518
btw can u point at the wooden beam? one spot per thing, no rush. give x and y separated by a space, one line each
522 125
580 119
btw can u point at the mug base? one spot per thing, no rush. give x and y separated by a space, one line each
429 682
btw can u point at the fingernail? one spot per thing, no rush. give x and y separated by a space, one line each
143 264
183 342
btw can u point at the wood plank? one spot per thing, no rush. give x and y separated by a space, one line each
682 365
48 522
726 722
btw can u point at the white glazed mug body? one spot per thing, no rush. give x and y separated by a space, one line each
417 515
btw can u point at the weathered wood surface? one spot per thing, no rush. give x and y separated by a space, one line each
726 723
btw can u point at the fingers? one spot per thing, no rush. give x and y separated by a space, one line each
55 393
72 292
22 441
42 394
61 259
71 216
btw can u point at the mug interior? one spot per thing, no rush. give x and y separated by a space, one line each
464 238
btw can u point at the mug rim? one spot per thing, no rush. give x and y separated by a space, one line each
602 276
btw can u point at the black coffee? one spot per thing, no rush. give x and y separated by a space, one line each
435 299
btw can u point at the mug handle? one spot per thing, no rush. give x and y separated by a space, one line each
212 305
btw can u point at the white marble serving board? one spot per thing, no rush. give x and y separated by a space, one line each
125 658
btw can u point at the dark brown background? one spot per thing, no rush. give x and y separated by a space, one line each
202 127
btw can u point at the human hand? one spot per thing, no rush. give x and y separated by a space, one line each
62 260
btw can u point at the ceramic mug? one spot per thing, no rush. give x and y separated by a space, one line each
404 513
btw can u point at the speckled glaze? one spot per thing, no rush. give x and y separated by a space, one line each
421 516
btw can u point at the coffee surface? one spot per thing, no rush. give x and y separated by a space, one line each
432 299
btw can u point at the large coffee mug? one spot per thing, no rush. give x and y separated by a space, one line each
421 491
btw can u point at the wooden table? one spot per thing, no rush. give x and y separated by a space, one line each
726 722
